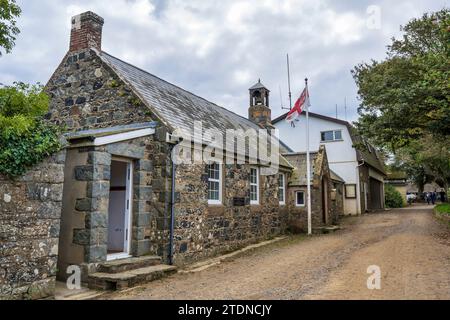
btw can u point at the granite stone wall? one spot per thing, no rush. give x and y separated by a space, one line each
30 211
86 94
203 230
337 208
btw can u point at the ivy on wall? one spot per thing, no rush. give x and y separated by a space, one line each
25 138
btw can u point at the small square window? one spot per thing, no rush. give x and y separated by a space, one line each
330 136
327 136
300 199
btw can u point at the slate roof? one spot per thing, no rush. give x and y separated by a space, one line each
298 161
336 177
176 107
368 154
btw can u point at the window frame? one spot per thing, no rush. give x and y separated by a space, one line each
334 136
254 202
346 193
283 187
220 181
296 199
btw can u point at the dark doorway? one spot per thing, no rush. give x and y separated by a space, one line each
375 190
325 200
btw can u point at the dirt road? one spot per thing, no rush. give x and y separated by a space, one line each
410 247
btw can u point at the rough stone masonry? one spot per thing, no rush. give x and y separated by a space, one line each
30 211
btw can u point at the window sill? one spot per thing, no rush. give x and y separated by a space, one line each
342 140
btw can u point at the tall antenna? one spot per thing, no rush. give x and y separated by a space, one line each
281 99
345 107
337 111
289 82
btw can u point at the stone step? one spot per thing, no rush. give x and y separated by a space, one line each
122 265
326 230
128 279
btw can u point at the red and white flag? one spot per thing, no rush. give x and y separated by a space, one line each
301 103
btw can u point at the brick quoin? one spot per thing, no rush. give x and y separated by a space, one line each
86 32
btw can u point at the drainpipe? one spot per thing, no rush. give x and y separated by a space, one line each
172 214
358 198
172 207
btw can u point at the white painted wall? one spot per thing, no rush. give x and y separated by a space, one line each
341 154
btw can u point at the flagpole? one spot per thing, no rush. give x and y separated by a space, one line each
289 82
308 165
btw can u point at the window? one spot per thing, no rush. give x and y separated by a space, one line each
350 191
254 186
300 199
214 183
282 189
329 136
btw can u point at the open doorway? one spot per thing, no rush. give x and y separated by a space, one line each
119 212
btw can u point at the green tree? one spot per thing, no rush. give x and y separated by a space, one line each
393 198
405 99
9 11
25 139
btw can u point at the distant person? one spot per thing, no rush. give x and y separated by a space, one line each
433 198
427 197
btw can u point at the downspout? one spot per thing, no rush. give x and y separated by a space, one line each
172 208
358 180
172 214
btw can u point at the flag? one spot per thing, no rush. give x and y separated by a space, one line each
301 103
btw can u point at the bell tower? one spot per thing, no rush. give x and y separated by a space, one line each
259 111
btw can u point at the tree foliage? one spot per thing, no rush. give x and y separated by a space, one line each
9 11
25 139
393 198
405 99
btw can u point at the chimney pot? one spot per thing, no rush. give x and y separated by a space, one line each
86 32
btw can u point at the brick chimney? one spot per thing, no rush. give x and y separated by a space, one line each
86 32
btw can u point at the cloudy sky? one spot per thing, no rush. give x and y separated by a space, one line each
218 49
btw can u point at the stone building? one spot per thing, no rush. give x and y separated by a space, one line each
116 204
323 212
123 196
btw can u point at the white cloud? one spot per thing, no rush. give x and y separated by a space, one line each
217 49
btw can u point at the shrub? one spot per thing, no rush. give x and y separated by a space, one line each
393 198
25 139
443 208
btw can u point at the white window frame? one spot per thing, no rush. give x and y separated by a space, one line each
304 199
216 202
334 136
283 176
255 202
